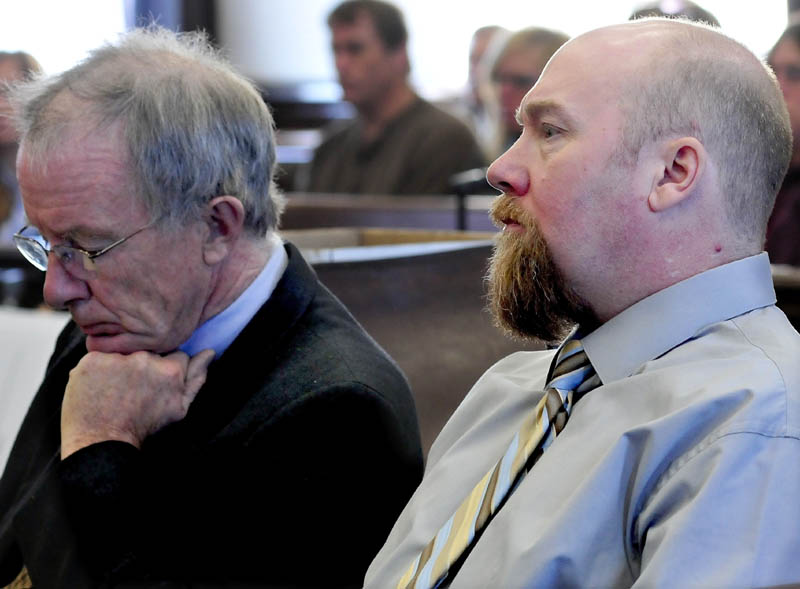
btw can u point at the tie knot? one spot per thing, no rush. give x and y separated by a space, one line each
572 370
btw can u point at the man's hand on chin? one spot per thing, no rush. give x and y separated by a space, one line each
128 397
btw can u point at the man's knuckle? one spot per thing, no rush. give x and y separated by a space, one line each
172 371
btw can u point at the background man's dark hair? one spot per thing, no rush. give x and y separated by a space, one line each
387 18
684 8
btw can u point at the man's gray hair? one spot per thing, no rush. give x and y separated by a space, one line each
194 128
706 85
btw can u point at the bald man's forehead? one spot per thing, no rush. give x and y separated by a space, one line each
630 40
604 56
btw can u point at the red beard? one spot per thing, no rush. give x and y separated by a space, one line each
528 295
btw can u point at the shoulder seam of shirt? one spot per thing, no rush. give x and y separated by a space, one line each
735 322
677 465
684 459
725 431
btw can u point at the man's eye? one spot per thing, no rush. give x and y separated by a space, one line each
351 49
354 48
793 73
65 254
549 131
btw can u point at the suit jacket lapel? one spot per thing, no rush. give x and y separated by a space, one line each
241 371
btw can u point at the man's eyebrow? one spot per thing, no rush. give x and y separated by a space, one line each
532 111
83 233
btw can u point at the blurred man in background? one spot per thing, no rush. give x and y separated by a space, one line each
398 143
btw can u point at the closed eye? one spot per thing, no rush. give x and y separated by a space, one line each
76 246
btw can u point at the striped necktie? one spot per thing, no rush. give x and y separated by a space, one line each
571 376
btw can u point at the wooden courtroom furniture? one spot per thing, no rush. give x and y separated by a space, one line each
307 210
428 312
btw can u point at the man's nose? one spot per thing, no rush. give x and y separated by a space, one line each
60 287
509 174
342 62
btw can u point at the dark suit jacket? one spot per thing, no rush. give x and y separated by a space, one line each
290 467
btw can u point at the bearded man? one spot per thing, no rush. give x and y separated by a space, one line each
657 446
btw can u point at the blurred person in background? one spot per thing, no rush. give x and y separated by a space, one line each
516 64
783 231
13 68
398 143
675 8
471 104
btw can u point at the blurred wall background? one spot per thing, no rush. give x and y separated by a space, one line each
285 42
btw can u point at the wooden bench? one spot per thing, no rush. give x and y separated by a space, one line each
306 210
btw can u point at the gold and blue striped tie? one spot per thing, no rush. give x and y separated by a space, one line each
571 376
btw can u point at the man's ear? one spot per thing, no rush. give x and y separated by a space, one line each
684 161
225 221
399 57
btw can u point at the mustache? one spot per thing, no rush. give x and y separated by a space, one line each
504 208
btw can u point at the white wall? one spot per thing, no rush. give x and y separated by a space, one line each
58 33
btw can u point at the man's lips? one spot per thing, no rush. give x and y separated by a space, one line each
504 223
506 215
511 225
100 329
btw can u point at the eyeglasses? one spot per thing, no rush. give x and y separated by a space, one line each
78 262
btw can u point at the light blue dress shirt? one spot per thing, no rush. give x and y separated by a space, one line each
218 332
681 470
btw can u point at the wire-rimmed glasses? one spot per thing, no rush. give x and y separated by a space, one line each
78 262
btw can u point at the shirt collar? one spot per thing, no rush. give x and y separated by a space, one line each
658 323
218 332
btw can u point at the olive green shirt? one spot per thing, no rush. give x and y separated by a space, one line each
417 153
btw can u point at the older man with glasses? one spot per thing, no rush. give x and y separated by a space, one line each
77 261
212 414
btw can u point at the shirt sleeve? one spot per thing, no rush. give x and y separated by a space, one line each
720 516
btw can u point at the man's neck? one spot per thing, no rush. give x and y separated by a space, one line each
218 332
236 273
376 117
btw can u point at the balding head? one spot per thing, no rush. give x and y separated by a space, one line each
685 79
651 151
